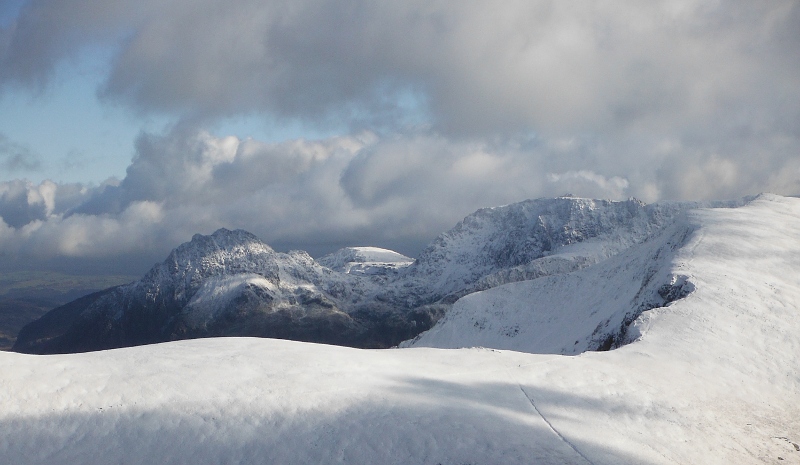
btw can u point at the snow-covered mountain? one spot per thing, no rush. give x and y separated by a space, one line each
366 260
226 283
232 284
569 313
536 238
710 374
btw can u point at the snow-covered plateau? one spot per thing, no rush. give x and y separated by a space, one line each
365 260
701 313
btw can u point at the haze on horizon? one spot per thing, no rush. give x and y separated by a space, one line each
125 128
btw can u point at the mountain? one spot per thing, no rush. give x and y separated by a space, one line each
232 284
227 282
595 305
366 260
529 240
709 375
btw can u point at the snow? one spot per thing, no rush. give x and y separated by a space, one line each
217 292
565 313
365 260
535 238
712 377
382 295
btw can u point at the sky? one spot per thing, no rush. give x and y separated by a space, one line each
127 127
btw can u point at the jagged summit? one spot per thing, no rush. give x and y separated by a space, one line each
224 237
204 288
205 256
225 240
519 234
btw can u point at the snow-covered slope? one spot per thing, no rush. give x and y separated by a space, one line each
535 238
711 378
366 260
569 313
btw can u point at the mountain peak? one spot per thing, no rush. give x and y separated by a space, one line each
221 241
222 252
365 260
224 236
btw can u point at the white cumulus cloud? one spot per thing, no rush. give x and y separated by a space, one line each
444 106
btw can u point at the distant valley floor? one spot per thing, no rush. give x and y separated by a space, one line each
27 295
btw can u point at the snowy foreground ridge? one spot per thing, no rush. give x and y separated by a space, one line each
710 377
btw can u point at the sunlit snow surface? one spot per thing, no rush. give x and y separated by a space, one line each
711 378
365 260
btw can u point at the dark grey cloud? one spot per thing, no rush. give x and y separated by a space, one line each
15 207
24 204
47 32
478 66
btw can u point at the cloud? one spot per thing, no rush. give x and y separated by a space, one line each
477 67
443 107
395 191
589 181
22 202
